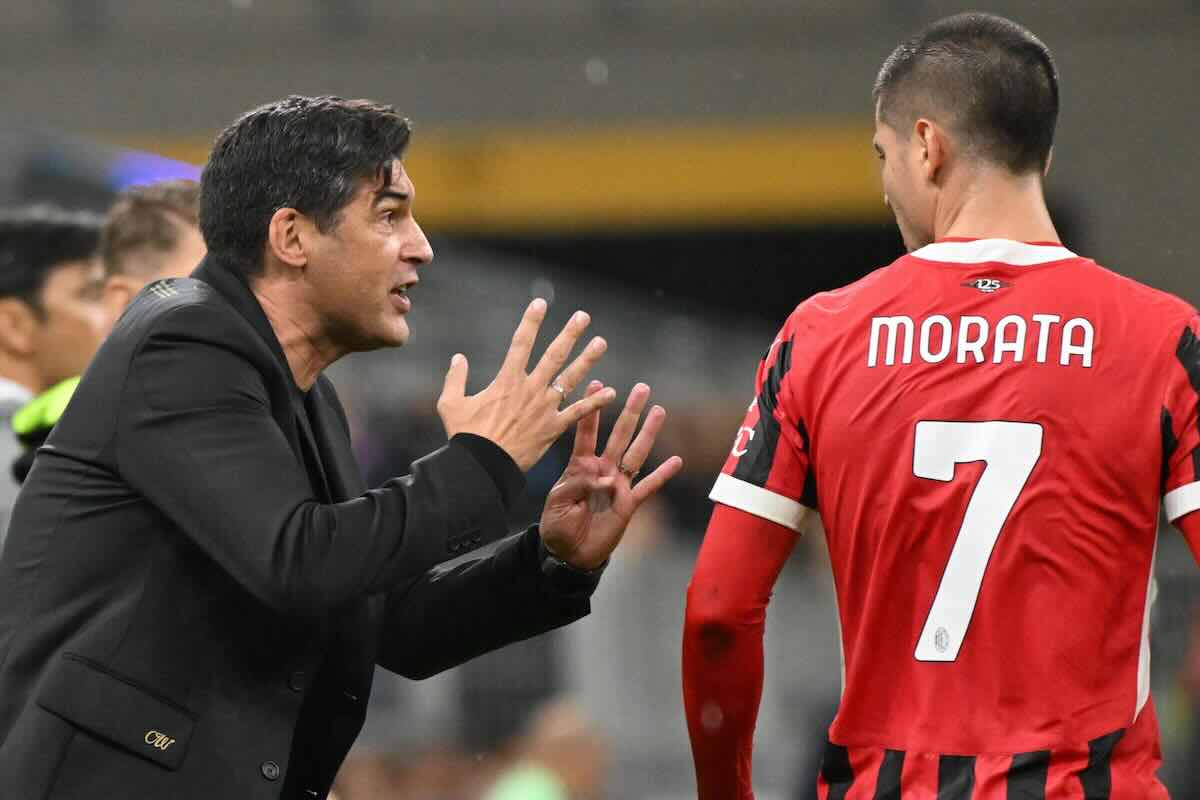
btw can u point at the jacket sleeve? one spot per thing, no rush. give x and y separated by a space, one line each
196 438
451 615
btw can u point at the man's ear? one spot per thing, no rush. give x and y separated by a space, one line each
286 234
18 327
930 137
118 292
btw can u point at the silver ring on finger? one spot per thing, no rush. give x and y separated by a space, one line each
562 393
631 474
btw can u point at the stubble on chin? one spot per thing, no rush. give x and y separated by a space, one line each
402 334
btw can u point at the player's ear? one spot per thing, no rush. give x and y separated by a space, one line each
933 144
119 291
18 327
286 234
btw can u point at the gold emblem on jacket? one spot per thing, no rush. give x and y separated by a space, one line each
159 740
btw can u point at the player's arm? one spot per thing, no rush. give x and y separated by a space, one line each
727 600
765 490
1189 526
1181 433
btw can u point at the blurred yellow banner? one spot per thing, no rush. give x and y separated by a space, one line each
565 179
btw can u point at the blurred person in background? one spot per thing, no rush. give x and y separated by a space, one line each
994 615
430 772
214 581
369 777
561 756
51 317
151 232
1188 784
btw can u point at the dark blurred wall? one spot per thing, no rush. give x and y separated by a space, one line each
1125 156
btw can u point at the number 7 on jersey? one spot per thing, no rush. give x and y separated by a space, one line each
1010 451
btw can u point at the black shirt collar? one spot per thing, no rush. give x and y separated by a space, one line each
230 282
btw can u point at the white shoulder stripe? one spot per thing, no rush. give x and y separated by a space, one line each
758 501
1003 251
1183 500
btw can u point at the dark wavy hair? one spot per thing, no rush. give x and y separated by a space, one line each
306 153
986 77
36 240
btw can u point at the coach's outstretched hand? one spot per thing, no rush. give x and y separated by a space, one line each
521 412
588 509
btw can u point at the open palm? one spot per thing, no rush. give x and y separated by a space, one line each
590 506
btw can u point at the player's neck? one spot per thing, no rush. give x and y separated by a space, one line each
21 372
993 204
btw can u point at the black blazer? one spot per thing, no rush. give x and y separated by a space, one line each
197 586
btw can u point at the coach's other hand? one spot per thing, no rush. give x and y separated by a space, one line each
521 412
588 509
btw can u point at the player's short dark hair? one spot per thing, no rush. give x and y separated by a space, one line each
306 153
145 222
36 240
987 77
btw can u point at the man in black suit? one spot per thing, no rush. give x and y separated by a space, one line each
198 585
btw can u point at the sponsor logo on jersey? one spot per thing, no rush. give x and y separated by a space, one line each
987 285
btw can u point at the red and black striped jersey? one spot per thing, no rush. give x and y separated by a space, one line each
987 429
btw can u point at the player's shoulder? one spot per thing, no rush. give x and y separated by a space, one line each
828 310
1155 307
1137 292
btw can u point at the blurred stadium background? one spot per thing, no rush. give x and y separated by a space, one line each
687 171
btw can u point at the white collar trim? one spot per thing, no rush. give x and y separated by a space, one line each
1003 251
12 396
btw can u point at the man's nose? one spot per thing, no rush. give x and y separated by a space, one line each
417 250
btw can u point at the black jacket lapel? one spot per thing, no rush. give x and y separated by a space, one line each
227 280
229 283
333 442
312 452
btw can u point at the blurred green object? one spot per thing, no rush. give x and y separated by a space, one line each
33 422
43 411
529 782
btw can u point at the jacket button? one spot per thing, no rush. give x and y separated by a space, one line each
270 770
296 681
